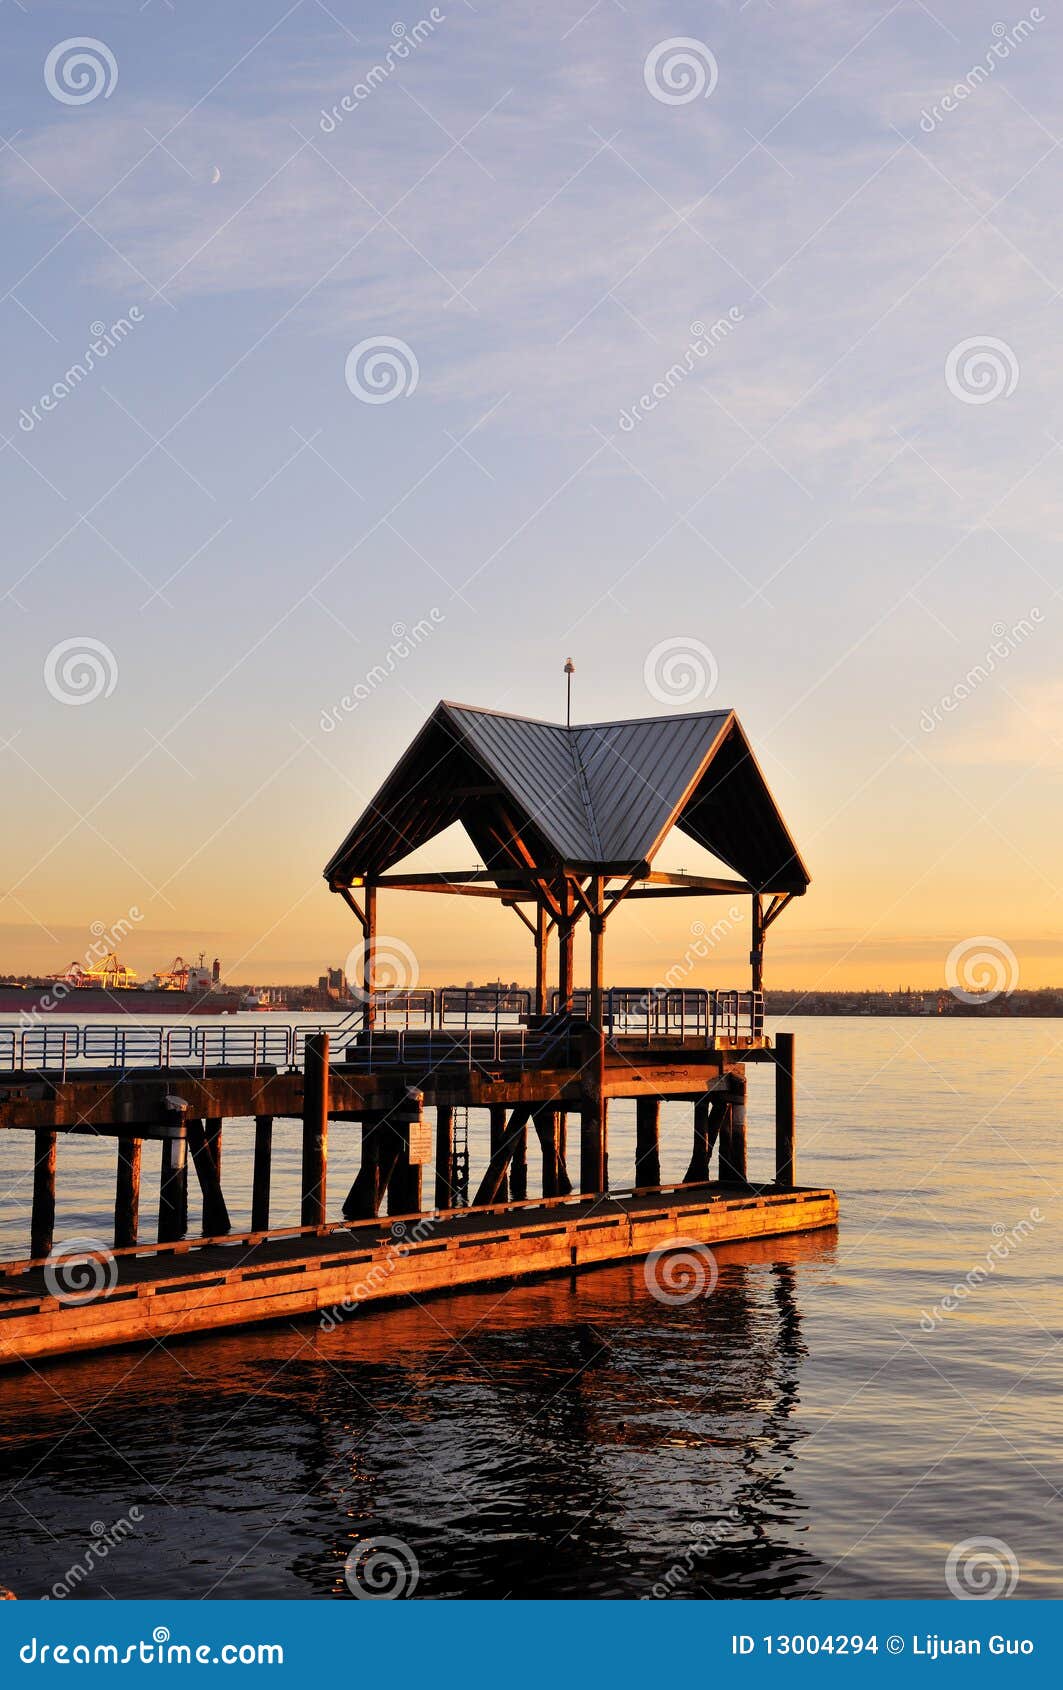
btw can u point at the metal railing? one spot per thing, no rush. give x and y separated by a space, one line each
474 1026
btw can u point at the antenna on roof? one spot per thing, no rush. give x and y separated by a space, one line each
570 670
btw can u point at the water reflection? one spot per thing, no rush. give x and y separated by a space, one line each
573 1437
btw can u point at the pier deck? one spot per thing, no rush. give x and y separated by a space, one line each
156 1292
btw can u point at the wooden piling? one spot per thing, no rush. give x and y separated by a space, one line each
42 1214
698 1167
518 1166
733 1134
261 1176
547 1123
212 1141
205 1148
593 1117
173 1188
647 1141
491 1187
315 1129
785 1109
127 1193
498 1115
444 1192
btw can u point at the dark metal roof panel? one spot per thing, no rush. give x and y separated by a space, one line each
535 760
637 774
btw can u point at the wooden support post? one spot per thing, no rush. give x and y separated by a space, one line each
756 952
368 958
518 1166
566 932
497 1117
260 1178
381 1144
315 1129
444 1194
564 1183
547 1123
593 1168
492 1185
542 932
173 1188
785 1109
404 1183
42 1214
700 1153
213 1126
647 1141
127 1193
597 925
733 1134
202 1143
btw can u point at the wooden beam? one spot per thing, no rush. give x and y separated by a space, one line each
695 882
315 1130
785 1108
215 1212
444 1192
42 1213
647 1141
127 1193
261 1176
173 1188
494 1179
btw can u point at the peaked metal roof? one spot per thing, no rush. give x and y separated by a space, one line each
596 797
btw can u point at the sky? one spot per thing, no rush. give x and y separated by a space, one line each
717 347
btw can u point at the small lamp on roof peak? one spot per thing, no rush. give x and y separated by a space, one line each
570 670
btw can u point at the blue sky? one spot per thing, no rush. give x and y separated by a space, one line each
846 526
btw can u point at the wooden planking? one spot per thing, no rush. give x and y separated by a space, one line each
454 1254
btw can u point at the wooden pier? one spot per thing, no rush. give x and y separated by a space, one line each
567 825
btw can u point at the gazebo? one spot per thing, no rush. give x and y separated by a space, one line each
567 822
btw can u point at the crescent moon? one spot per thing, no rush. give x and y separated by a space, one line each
215 175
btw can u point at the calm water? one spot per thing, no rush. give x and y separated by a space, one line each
799 1433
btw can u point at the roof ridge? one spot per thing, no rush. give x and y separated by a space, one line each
585 793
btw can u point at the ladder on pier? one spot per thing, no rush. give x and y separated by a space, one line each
459 1161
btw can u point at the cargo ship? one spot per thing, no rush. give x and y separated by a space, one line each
113 989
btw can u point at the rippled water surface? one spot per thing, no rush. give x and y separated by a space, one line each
818 1426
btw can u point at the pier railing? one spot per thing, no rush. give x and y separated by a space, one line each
474 1026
